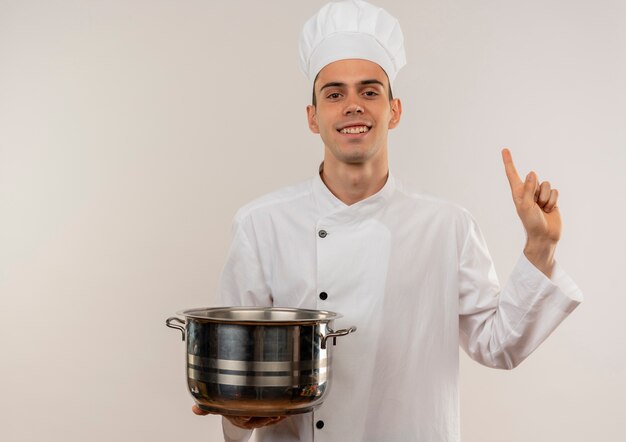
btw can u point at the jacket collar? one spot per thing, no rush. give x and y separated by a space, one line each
329 203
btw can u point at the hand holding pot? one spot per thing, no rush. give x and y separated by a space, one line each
247 422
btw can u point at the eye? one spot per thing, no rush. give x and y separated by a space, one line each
370 94
333 96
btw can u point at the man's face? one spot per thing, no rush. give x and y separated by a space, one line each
353 113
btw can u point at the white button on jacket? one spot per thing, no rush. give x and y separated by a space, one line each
413 273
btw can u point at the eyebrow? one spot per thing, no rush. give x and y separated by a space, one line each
363 83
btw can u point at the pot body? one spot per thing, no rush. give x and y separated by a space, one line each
258 362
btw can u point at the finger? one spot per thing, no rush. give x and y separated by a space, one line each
251 423
530 188
509 168
544 194
199 411
551 204
262 422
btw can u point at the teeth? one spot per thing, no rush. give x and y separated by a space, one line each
354 130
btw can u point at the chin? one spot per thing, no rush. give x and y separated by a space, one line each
353 155
355 160
358 157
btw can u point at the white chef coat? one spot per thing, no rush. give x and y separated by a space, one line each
413 273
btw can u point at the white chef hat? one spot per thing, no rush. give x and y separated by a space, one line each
351 29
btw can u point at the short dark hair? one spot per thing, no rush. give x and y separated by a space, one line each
314 100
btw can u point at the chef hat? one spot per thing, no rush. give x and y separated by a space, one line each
351 29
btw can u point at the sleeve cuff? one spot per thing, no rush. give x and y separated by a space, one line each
560 280
233 433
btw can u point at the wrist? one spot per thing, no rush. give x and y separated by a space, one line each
540 253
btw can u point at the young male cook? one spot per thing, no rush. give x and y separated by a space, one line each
412 272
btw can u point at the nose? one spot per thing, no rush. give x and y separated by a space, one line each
353 109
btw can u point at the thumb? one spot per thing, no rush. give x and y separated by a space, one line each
530 188
199 411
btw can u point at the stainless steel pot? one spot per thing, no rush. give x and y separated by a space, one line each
250 361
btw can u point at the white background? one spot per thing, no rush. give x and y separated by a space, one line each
131 131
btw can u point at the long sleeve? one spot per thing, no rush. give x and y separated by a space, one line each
243 282
233 433
500 328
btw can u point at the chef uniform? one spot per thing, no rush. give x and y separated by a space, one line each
410 271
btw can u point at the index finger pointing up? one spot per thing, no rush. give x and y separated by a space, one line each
509 167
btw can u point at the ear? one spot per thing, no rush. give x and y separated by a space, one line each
396 112
311 114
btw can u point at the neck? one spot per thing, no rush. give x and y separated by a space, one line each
352 183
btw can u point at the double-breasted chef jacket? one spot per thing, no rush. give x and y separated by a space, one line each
413 273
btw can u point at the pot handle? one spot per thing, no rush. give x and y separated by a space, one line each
335 334
169 321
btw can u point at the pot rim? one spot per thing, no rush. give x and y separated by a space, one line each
260 315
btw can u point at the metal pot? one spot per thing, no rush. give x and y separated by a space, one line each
251 361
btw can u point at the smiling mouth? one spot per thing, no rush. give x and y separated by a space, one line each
354 130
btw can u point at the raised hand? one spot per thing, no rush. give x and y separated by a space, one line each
536 205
